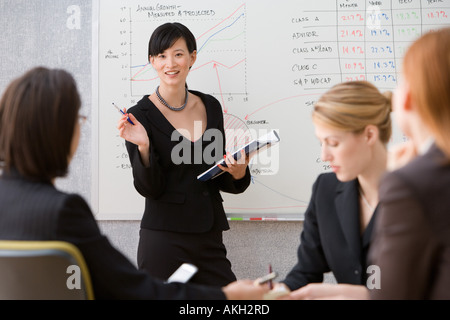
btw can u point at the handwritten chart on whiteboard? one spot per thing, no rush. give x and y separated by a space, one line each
267 63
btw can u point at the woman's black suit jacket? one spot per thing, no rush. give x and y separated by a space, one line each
331 239
37 211
174 199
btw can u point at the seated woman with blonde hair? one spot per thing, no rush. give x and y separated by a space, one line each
353 124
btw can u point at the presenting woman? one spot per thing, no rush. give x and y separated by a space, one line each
40 129
176 135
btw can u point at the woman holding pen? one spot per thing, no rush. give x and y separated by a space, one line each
40 128
169 145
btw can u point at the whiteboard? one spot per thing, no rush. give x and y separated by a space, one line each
267 62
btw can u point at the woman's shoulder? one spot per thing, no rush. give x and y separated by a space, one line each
64 200
327 184
327 178
427 173
45 197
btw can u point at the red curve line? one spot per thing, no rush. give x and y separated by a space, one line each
220 89
219 64
221 21
132 78
203 65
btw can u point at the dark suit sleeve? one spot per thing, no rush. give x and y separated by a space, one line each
148 181
311 264
229 185
402 247
113 275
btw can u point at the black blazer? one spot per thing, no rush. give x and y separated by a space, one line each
37 211
174 199
331 239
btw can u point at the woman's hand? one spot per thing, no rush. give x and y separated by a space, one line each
234 167
245 290
280 291
135 134
328 291
400 155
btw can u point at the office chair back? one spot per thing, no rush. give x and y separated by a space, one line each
43 270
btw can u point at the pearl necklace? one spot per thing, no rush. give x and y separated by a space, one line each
161 99
365 200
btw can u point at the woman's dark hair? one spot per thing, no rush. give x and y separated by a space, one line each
38 114
166 35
